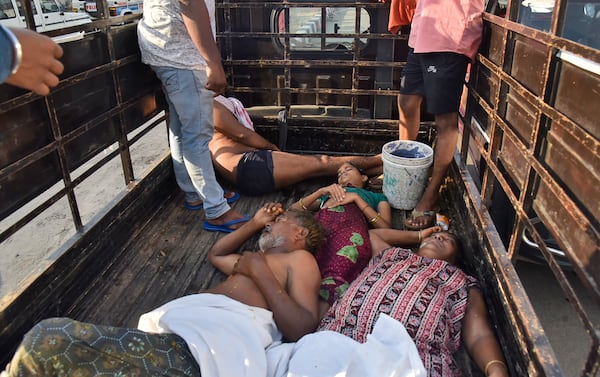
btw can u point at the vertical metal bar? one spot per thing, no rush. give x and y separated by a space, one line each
323 28
287 80
384 76
124 152
64 166
355 58
28 9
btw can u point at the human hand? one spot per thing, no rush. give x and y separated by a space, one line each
215 78
248 262
429 231
347 198
335 192
40 67
267 213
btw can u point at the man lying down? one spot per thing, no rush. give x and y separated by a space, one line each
237 328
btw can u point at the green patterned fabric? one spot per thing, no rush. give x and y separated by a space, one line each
65 347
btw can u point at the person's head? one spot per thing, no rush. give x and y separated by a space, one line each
349 175
294 228
441 245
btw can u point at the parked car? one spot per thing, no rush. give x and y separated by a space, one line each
78 6
48 15
115 7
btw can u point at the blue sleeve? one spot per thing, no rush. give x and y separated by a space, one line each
6 55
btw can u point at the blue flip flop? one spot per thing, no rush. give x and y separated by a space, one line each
187 205
225 227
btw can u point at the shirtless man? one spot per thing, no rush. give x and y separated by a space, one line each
283 276
224 331
256 166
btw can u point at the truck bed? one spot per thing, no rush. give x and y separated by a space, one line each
148 249
167 259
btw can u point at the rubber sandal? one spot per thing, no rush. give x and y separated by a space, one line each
196 207
413 216
225 227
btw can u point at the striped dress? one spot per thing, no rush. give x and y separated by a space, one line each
428 296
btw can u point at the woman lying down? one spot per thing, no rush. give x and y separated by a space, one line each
406 314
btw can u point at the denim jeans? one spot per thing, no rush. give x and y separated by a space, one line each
190 130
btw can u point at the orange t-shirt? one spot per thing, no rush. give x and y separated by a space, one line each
401 13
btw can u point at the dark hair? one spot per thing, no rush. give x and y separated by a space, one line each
360 170
458 242
316 233
458 260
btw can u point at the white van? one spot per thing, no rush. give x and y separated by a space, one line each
116 7
48 15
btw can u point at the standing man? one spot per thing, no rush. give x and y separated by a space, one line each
176 38
444 39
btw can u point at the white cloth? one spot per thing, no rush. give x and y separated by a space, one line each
388 352
227 338
236 107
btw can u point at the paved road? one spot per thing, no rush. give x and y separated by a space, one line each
561 323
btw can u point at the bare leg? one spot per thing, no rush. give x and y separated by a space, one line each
409 106
292 168
447 136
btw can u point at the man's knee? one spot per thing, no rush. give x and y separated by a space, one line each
409 103
446 122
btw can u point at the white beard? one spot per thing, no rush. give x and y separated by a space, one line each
268 241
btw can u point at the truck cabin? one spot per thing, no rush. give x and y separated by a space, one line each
91 222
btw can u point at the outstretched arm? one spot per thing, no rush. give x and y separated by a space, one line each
227 124
223 255
479 339
382 239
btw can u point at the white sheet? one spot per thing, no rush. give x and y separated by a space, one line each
388 352
227 338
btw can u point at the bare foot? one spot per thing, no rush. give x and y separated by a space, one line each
423 216
231 197
230 218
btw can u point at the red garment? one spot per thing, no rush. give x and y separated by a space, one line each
428 296
401 13
345 252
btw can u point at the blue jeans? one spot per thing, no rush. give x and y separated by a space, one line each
190 130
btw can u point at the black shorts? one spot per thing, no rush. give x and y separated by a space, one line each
438 77
255 173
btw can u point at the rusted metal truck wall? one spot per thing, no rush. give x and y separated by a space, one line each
105 93
532 121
